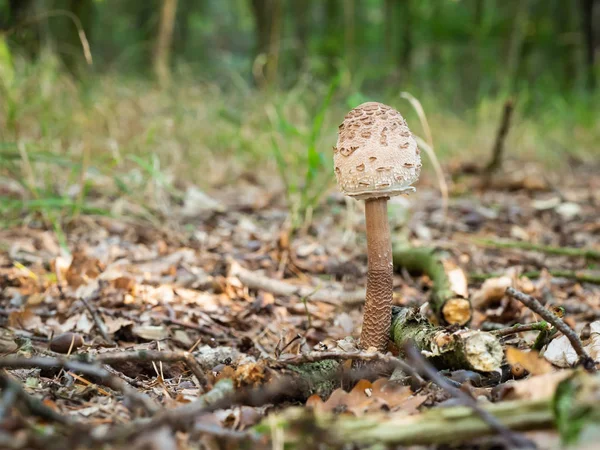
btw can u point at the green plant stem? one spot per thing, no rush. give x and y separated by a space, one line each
541 326
548 249
571 274
448 306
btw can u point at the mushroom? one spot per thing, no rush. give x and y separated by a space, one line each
376 157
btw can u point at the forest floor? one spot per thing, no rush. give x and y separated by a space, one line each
128 339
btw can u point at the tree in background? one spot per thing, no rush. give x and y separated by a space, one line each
268 22
590 15
164 41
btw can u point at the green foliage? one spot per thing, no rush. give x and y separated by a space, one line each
303 194
570 417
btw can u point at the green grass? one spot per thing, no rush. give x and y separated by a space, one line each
69 148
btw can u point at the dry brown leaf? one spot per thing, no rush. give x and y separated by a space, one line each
151 333
368 397
534 388
530 361
25 320
491 291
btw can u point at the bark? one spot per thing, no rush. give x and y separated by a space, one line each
587 25
448 306
162 55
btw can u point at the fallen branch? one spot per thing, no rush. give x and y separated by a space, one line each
548 249
437 426
255 280
446 349
426 369
584 358
582 277
106 378
449 307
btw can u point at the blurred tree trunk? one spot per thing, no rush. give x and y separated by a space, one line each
146 20
515 45
332 40
397 35
349 26
162 54
589 40
301 13
565 15
185 10
25 36
268 18
390 26
406 49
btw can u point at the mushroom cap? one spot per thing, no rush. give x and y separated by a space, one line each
376 154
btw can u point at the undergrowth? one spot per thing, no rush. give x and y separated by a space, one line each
119 145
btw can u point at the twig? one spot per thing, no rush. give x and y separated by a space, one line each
551 250
498 149
255 280
152 355
100 325
426 369
113 382
518 328
534 305
582 277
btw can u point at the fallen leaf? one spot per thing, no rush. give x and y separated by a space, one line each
560 352
491 291
150 332
530 361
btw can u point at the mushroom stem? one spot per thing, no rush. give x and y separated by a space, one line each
378 303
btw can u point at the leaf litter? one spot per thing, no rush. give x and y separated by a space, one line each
169 288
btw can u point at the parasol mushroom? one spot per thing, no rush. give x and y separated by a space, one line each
376 157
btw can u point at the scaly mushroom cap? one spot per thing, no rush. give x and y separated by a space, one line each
376 154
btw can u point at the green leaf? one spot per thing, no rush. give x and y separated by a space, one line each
569 418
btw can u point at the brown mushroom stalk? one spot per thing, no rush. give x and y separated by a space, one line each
376 157
380 272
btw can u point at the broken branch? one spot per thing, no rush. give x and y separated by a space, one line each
460 349
255 280
534 305
449 307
